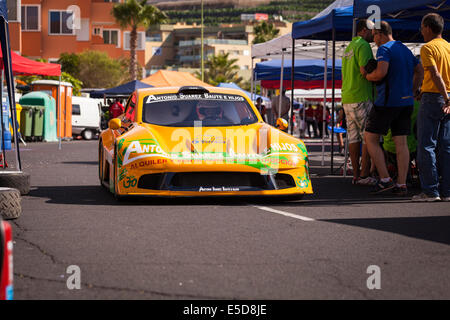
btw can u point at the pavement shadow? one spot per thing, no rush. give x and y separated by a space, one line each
332 191
77 195
96 195
337 190
434 228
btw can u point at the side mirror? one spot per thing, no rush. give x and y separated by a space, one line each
114 124
282 124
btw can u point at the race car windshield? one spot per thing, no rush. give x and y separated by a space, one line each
213 110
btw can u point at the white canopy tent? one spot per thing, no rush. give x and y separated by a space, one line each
334 5
313 94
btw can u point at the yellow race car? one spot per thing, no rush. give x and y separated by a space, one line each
199 141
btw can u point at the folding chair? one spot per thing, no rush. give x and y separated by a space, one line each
342 130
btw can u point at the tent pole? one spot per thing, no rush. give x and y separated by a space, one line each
59 113
7 67
333 96
252 83
325 77
2 126
354 28
281 84
291 118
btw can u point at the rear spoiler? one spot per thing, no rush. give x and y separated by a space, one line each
193 90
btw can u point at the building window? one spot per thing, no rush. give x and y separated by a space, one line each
60 22
140 41
97 31
13 10
112 1
30 18
111 37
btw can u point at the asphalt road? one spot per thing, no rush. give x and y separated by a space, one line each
317 248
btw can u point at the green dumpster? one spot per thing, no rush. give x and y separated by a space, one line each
26 122
38 122
37 99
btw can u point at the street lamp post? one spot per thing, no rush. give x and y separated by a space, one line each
202 54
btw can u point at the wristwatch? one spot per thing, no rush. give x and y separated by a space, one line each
417 93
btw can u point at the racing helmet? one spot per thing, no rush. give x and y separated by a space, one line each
209 110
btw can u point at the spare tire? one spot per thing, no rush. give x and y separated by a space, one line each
16 180
10 207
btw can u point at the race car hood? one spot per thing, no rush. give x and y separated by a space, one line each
235 144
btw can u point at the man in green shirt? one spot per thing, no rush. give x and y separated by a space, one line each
357 97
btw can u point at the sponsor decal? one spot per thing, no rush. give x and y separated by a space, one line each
136 151
203 96
217 189
302 182
122 173
130 181
283 147
139 153
147 163
209 139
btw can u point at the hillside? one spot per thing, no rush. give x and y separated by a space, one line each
229 11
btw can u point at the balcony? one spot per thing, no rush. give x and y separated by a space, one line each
189 58
153 39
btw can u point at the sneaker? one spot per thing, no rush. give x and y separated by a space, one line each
425 198
383 186
446 199
368 181
400 191
355 180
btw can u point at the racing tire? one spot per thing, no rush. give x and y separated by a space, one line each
100 162
87 134
16 180
117 196
10 206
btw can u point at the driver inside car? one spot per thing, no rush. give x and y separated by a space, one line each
208 110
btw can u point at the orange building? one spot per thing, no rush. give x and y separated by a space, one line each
47 28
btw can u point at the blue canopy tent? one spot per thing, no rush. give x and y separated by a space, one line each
7 67
411 9
341 20
123 90
233 85
304 70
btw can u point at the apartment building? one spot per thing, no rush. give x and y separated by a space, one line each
179 45
47 28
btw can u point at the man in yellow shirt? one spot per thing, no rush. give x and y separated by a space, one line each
433 120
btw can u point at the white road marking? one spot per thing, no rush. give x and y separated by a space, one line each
284 213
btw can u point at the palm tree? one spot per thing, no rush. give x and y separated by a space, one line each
264 32
219 68
134 14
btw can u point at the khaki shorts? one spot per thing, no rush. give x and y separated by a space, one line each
356 115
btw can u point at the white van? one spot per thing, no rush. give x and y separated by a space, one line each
85 117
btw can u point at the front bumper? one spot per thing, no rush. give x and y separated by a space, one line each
214 183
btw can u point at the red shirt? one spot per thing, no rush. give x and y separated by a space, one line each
115 110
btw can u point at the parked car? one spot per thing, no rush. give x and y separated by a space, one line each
6 261
85 117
